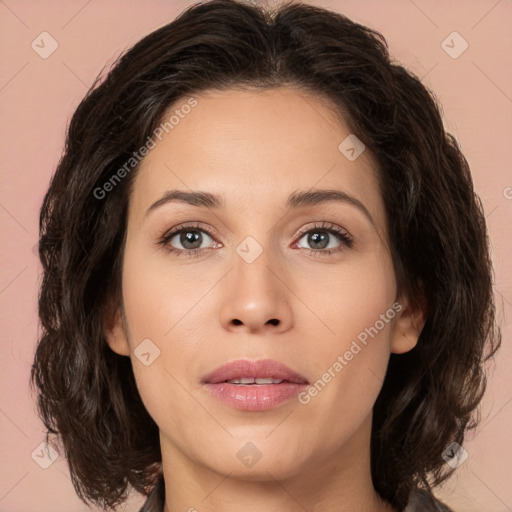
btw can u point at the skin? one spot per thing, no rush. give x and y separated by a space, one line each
255 148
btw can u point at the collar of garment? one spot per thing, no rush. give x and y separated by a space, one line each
419 501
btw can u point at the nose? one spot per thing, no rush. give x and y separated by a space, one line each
256 296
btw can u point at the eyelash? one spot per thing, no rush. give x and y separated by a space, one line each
340 233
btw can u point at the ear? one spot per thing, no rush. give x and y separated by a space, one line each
408 325
115 332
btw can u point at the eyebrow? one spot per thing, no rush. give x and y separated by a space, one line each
297 199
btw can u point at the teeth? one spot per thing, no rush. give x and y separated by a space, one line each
250 380
268 380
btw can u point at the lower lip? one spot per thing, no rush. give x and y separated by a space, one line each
255 397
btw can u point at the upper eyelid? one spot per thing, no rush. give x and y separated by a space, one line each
331 227
182 227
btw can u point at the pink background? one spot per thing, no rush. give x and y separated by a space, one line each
38 96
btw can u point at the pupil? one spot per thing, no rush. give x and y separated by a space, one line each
191 237
314 239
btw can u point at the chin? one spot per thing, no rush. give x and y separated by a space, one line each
260 472
248 462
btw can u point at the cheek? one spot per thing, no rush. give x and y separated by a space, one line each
173 310
352 331
159 300
348 300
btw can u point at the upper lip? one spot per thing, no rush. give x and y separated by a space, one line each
256 369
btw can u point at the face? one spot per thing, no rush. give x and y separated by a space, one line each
265 274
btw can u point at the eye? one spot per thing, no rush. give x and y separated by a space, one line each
323 238
189 237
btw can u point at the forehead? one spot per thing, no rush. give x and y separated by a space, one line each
255 147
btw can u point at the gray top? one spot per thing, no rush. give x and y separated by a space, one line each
419 501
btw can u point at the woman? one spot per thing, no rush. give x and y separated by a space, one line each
267 283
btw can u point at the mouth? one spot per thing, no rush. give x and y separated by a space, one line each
254 385
254 372
249 381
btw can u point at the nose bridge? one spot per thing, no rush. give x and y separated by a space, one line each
254 259
256 248
256 295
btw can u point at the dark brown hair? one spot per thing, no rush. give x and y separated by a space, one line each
87 395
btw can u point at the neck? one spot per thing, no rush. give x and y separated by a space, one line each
340 482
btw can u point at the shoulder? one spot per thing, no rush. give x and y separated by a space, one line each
422 501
